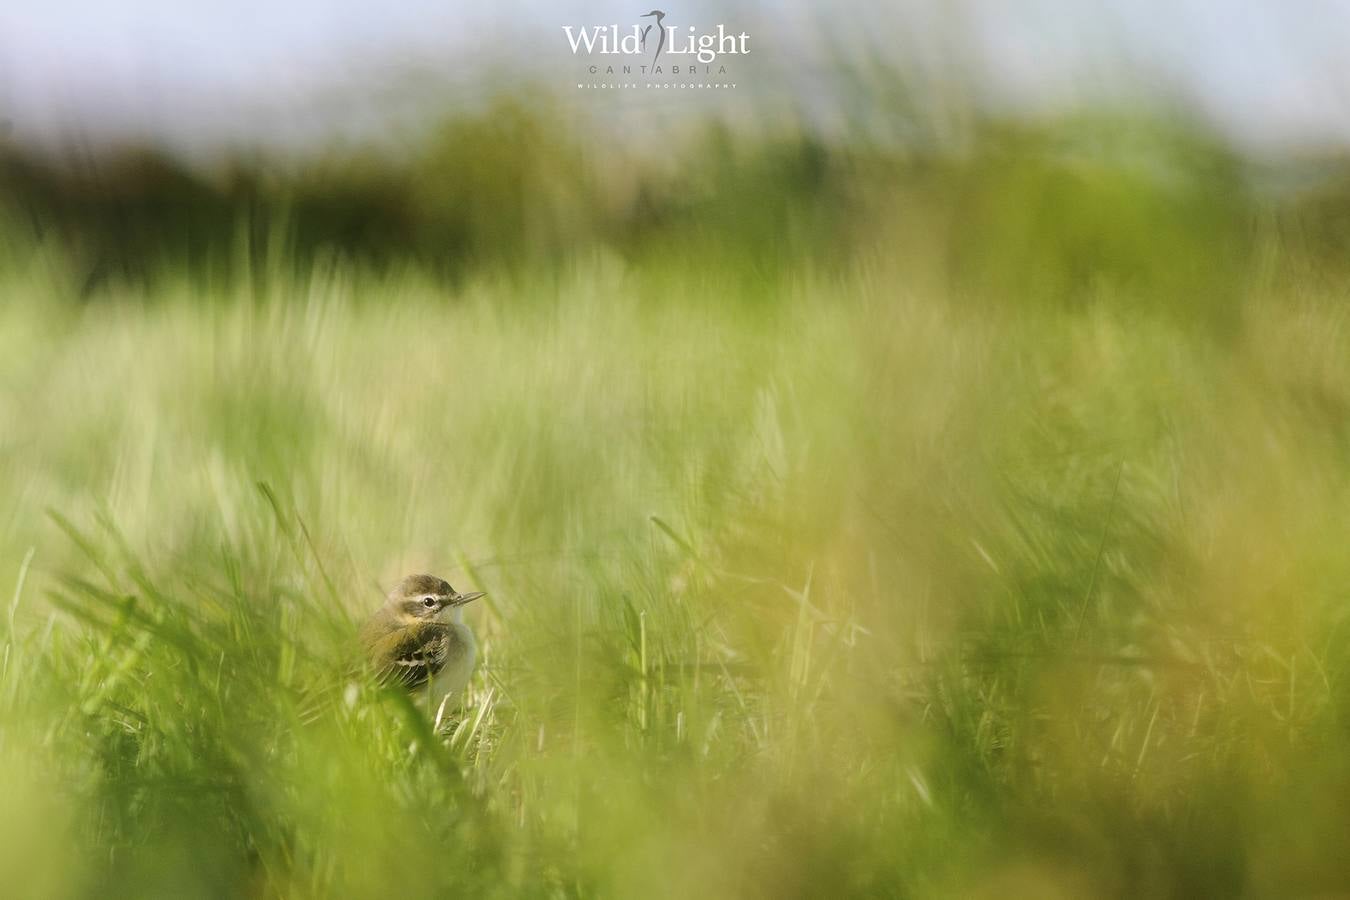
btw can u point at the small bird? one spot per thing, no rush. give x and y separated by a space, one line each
418 638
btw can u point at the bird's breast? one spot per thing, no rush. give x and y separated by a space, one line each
461 654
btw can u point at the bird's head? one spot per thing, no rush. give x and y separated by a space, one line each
427 598
656 12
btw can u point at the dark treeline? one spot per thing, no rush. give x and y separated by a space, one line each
1051 212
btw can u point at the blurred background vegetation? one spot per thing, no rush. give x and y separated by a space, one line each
1142 204
858 517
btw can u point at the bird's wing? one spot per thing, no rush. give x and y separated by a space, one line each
411 656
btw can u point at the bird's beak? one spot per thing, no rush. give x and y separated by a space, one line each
461 599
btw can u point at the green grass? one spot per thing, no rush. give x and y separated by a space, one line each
839 580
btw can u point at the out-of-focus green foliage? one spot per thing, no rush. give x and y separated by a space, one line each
1164 218
854 521
1147 211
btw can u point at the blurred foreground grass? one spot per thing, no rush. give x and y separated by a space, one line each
946 566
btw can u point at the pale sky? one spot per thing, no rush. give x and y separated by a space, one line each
209 73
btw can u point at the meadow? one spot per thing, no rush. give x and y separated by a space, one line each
853 524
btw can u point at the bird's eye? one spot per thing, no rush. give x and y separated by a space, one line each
429 602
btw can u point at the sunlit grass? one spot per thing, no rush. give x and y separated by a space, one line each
864 592
852 522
